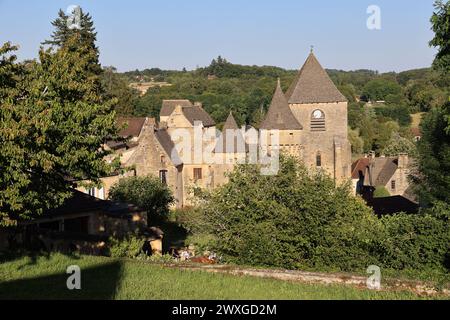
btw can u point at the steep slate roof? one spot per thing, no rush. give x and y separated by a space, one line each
169 105
239 141
279 116
313 85
166 142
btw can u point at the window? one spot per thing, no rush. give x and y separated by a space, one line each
101 193
163 159
91 192
318 159
197 173
393 184
163 176
318 121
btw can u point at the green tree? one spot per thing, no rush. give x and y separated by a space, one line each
53 132
397 145
434 155
63 32
115 87
85 36
380 89
292 219
147 193
356 141
440 21
434 147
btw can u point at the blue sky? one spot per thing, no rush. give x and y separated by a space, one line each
173 34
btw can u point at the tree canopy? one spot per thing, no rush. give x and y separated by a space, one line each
52 130
148 193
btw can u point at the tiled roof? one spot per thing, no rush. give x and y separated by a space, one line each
169 105
196 113
133 126
376 171
279 116
313 85
416 132
191 112
359 167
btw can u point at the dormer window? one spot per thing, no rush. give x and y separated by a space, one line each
318 120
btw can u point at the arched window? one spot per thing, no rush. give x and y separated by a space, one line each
318 120
318 159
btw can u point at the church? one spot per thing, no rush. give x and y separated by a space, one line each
312 121
309 119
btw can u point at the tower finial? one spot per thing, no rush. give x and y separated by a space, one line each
312 48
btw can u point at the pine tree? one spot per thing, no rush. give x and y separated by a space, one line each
86 35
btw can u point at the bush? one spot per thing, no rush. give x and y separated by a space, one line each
416 242
292 219
148 193
381 192
129 247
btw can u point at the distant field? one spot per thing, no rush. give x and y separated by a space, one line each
416 119
105 278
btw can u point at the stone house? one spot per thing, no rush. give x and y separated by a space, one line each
389 172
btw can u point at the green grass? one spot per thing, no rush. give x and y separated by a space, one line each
106 278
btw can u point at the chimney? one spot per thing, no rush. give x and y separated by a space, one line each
198 104
371 155
178 109
403 160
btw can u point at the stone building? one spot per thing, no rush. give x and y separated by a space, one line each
310 120
389 172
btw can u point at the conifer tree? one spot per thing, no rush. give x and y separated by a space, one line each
87 36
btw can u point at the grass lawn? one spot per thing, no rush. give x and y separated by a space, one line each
105 278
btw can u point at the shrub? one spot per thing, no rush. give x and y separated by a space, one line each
293 219
381 192
129 247
148 193
416 242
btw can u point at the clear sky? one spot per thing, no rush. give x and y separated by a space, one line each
173 34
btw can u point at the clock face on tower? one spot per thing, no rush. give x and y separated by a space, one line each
317 114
